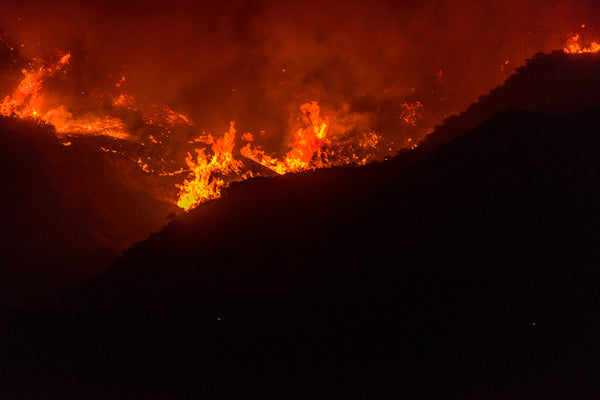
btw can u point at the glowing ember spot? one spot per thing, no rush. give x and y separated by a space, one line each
370 140
209 174
411 113
124 101
573 47
164 116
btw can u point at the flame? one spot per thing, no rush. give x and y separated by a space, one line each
124 101
209 174
156 138
164 117
27 101
306 142
573 47
309 150
258 155
65 123
210 167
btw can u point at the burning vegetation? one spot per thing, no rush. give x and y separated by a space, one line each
329 124
149 109
211 162
574 47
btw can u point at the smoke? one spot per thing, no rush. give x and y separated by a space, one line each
256 62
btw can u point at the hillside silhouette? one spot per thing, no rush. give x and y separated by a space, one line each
520 146
68 212
550 84
466 268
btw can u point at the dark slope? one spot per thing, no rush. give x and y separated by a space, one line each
551 84
421 277
519 192
430 285
67 213
311 210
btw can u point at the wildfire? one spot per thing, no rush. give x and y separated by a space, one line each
306 142
210 174
65 123
573 46
411 113
211 162
156 138
27 101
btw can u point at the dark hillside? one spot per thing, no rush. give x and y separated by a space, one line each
472 272
551 84
67 214
464 269
70 211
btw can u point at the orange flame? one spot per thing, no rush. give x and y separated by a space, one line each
65 123
305 143
573 47
210 170
26 101
209 175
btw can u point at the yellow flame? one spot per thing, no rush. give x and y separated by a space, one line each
26 102
305 143
208 174
210 168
